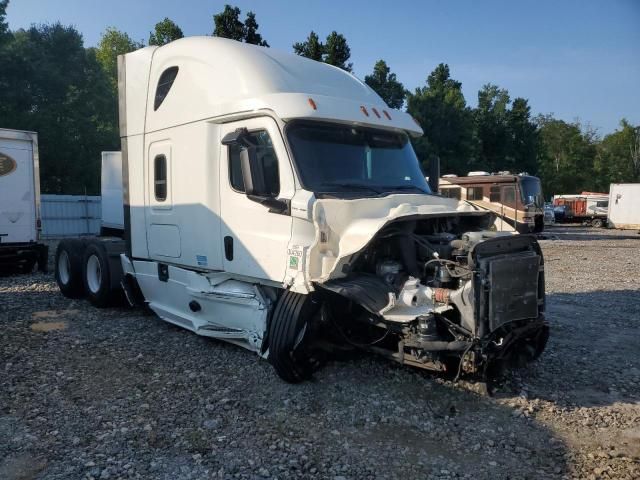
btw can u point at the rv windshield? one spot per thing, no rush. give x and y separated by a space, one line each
531 191
354 161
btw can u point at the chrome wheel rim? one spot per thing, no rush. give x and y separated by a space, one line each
94 274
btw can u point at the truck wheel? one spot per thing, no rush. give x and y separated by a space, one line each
597 223
290 324
96 275
68 268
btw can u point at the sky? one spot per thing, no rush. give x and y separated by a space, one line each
573 59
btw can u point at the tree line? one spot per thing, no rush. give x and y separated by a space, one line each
51 83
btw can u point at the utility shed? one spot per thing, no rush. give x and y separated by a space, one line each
624 206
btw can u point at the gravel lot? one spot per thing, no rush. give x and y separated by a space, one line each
106 394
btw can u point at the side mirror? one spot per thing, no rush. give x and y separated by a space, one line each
434 173
253 173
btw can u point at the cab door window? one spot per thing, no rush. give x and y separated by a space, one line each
265 153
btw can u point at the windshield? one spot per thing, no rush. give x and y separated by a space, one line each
354 160
531 191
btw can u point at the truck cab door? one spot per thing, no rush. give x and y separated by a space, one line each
255 238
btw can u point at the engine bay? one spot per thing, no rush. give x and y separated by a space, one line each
424 292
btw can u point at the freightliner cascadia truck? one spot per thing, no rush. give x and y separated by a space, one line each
276 203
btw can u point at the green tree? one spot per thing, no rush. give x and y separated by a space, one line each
164 32
334 51
385 84
56 87
113 43
492 130
4 26
251 31
566 157
228 25
618 157
440 108
311 48
523 138
337 51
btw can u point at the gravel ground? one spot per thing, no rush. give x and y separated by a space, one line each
106 394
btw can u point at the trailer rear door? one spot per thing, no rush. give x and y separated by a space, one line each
17 191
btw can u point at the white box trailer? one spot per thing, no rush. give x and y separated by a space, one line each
276 203
624 206
20 223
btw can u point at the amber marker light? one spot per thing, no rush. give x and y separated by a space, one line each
364 110
375 111
313 104
386 114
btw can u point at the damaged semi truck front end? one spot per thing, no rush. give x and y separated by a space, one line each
467 301
439 291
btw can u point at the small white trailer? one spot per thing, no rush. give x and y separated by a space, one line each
277 203
20 223
624 206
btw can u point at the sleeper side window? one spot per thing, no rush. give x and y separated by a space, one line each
160 177
265 153
164 85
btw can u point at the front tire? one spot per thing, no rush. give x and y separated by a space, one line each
68 268
290 330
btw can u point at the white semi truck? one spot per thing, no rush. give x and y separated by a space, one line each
20 223
276 203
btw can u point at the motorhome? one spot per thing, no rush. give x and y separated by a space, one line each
277 203
20 223
516 199
587 207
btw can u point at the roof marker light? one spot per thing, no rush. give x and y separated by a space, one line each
313 103
364 110
375 111
386 114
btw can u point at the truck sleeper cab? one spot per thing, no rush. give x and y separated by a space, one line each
277 203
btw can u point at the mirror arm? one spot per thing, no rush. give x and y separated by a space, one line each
282 207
